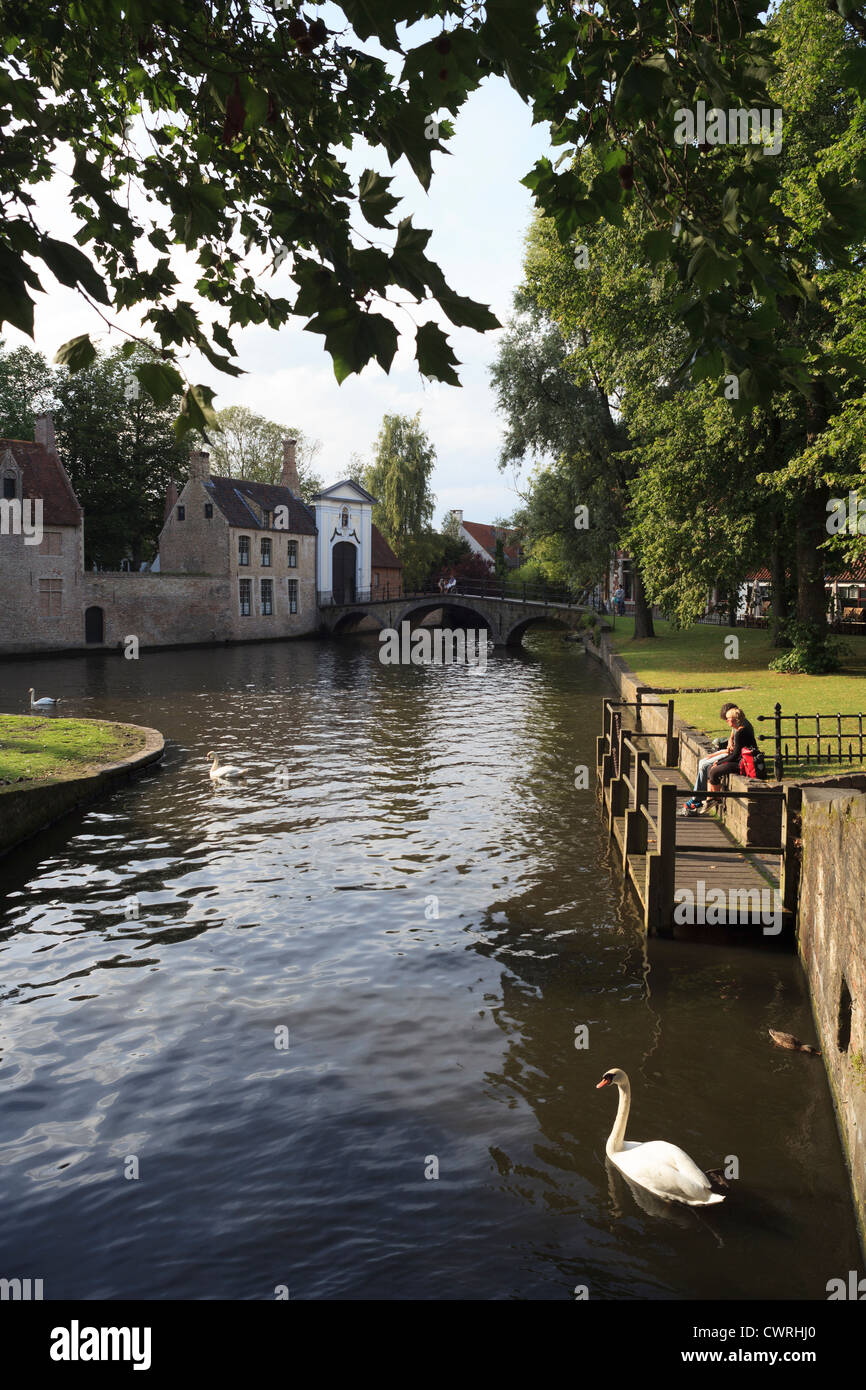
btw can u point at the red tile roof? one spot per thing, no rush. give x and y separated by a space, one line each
854 574
382 556
44 476
486 537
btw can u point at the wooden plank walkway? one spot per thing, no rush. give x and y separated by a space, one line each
737 875
689 869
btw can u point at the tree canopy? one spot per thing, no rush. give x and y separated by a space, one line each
399 478
216 128
700 482
248 445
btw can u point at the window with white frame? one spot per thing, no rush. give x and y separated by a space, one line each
293 595
267 597
293 555
245 597
243 550
266 551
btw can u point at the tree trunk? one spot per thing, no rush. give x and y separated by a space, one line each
779 589
811 561
643 617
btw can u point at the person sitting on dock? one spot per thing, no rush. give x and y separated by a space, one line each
742 737
697 804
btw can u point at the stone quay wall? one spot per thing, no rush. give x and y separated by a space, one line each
832 946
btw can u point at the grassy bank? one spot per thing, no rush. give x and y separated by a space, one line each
35 750
677 660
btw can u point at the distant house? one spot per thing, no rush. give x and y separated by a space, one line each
481 539
386 570
41 582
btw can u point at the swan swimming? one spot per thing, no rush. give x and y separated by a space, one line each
47 702
217 773
661 1168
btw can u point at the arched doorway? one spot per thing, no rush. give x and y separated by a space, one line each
343 564
94 625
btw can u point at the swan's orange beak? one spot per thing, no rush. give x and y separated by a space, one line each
603 1082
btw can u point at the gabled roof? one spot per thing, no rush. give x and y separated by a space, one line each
347 482
854 574
43 475
381 554
486 537
234 495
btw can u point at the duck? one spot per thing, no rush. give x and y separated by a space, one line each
46 702
217 773
661 1168
791 1043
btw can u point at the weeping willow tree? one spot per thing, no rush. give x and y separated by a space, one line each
399 479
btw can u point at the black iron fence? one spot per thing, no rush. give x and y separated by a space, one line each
807 742
457 588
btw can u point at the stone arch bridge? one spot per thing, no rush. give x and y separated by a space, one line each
505 616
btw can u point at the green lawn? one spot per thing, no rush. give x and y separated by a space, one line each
33 749
695 656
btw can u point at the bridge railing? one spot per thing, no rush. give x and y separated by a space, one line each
462 588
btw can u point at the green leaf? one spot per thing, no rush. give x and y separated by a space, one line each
196 412
466 313
435 358
76 354
657 245
161 381
374 199
71 267
729 210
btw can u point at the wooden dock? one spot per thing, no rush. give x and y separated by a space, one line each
684 869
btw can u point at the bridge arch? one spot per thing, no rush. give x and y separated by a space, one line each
454 611
348 622
517 631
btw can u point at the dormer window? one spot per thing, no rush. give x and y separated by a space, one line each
266 519
344 519
10 488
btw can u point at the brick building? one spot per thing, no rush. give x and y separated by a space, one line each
237 561
260 538
43 598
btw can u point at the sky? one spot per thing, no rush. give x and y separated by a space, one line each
479 213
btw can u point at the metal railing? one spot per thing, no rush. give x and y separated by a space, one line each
463 588
802 731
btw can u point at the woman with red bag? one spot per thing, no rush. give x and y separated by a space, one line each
742 742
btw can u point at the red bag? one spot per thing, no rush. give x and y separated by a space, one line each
747 763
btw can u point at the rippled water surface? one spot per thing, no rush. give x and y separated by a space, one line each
410 885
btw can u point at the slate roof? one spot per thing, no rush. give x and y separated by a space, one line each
44 476
486 536
382 556
229 495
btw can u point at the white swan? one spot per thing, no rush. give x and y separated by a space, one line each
661 1168
45 703
217 773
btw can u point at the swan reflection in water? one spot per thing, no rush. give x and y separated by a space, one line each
675 1213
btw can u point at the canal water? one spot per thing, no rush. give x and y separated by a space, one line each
288 1003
